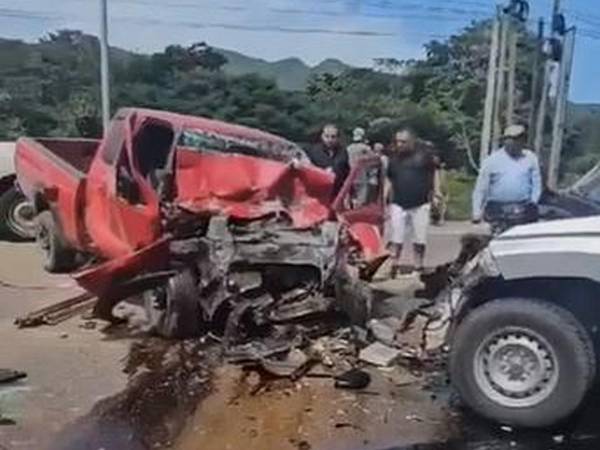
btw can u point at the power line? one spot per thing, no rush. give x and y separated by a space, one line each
272 28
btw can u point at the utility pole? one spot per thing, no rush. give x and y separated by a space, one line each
541 114
500 80
535 89
562 95
104 69
512 69
488 113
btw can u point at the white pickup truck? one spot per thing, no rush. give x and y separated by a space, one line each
525 323
16 215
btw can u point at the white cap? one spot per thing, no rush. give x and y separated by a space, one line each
358 134
514 131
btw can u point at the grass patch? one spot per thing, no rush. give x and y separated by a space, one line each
460 188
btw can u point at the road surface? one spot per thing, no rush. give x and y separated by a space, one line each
106 388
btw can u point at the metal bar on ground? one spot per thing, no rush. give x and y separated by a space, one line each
57 312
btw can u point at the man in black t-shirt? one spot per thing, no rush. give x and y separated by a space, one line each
411 186
330 154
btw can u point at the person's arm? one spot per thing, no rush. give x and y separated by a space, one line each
536 180
480 191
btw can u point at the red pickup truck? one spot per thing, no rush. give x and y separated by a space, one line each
172 204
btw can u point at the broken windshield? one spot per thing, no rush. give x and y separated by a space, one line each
200 140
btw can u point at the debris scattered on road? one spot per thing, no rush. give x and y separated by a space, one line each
347 425
88 325
289 366
379 354
6 421
353 379
400 376
58 312
64 335
384 330
414 418
10 375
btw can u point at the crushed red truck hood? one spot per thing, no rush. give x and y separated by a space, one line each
245 187
237 186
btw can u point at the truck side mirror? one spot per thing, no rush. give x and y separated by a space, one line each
127 188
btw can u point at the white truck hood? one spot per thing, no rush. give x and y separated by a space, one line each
557 249
555 228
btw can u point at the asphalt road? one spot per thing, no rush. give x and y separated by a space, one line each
104 388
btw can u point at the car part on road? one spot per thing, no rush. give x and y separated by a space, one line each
353 379
17 216
10 375
58 312
522 362
57 256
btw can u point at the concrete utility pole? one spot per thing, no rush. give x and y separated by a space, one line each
558 131
104 69
488 113
500 85
541 116
535 89
512 69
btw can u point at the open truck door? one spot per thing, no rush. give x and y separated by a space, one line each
123 206
360 204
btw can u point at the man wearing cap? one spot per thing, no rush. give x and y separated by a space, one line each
359 149
509 176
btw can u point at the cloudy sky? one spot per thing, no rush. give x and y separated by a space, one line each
355 31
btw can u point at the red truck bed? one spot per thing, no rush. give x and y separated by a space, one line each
57 168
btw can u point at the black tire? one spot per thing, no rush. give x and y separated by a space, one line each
13 226
570 347
58 257
174 310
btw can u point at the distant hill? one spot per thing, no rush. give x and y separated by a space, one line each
579 112
290 74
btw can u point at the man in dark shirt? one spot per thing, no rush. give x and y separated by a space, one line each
411 186
330 154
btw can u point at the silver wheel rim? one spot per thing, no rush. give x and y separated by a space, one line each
22 219
516 368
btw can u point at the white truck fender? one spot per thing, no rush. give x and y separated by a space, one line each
558 249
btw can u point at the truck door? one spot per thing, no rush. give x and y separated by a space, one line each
123 209
361 198
360 205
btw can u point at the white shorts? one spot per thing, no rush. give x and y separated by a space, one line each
403 222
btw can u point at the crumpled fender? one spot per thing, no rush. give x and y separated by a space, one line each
371 246
104 279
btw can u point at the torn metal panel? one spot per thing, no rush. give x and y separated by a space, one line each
243 187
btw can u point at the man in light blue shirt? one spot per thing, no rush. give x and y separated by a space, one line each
510 175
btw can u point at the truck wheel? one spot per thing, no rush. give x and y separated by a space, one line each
17 216
58 258
522 362
173 310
